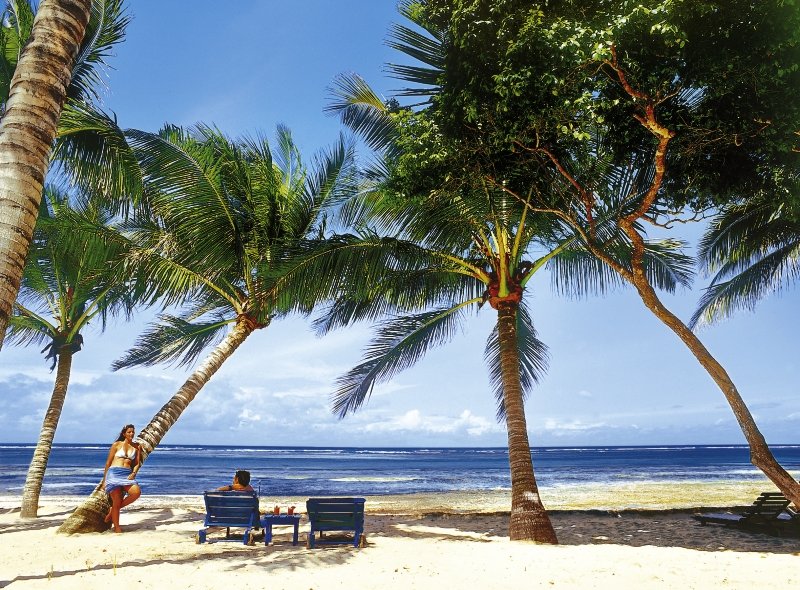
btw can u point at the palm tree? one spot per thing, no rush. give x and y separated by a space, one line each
462 249
228 220
37 92
754 249
64 289
578 192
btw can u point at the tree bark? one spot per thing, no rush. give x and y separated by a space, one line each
33 481
36 96
529 519
760 454
88 517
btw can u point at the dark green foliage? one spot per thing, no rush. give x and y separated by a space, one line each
520 74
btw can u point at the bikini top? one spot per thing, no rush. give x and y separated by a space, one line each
121 453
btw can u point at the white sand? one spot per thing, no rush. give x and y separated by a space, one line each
437 541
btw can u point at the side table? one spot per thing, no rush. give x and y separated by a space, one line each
267 520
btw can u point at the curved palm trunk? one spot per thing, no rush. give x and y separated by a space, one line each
28 128
529 520
88 517
760 454
33 481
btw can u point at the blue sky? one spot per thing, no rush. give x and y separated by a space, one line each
616 376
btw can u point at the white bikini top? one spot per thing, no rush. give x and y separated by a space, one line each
121 453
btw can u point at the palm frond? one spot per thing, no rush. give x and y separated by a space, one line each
425 47
25 329
362 111
772 272
666 266
577 273
106 28
184 190
15 29
93 152
533 359
173 340
399 344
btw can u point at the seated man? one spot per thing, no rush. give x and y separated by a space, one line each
241 483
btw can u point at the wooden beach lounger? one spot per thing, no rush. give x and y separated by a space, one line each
767 514
230 509
335 515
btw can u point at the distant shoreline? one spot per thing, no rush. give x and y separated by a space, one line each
638 497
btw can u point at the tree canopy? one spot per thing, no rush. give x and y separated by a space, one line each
513 75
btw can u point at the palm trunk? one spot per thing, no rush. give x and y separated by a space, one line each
529 520
36 96
33 481
760 454
88 517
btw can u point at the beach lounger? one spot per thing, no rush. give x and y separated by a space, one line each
230 509
327 515
767 513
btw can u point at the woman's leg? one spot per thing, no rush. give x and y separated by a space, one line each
116 504
134 492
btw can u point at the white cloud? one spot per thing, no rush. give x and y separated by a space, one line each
554 426
413 421
584 393
247 417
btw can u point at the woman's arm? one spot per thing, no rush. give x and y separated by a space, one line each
137 464
109 460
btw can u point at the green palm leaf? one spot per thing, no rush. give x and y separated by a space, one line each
533 359
92 150
744 290
173 340
399 344
106 28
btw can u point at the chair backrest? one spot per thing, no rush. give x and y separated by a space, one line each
767 505
231 508
336 513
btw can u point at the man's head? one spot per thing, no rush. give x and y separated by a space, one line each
242 477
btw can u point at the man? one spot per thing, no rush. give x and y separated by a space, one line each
241 483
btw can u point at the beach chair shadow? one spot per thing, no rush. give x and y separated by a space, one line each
326 515
230 510
769 513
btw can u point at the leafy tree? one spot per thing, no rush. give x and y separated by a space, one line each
698 96
64 289
227 221
460 250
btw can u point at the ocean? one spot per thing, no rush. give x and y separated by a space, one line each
75 469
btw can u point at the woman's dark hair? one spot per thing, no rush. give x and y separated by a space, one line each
122 432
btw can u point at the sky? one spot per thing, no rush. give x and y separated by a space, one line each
616 376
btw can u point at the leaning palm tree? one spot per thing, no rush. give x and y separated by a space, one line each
753 248
226 222
47 58
65 288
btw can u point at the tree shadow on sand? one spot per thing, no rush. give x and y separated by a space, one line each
591 527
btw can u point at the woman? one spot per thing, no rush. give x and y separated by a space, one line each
119 476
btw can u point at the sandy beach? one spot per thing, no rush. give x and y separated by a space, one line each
629 537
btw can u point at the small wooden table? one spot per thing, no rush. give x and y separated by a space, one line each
267 520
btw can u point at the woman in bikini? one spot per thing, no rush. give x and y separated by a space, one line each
119 476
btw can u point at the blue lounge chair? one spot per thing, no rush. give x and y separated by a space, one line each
230 509
335 515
